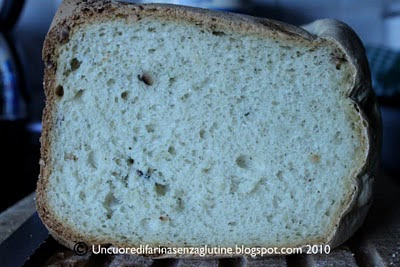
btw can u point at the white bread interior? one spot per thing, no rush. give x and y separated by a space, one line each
166 133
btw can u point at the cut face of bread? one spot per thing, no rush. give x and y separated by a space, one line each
167 131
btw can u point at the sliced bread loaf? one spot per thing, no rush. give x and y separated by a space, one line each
175 126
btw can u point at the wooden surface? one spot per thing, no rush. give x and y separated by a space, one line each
377 243
199 263
15 216
276 261
339 257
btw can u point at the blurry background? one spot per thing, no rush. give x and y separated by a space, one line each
21 71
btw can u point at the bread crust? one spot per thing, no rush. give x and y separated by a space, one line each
364 98
74 12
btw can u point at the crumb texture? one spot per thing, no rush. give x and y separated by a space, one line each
173 134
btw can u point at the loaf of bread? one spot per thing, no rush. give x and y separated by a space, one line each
175 126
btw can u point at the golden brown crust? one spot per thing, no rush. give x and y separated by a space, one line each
364 98
75 12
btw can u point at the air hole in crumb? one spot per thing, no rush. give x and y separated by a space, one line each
218 33
172 80
146 78
240 99
327 213
243 161
92 160
151 50
179 203
161 189
70 156
214 126
82 195
185 96
124 95
130 161
59 91
171 150
202 133
75 64
356 107
110 82
150 128
206 170
110 201
339 61
117 161
164 218
79 94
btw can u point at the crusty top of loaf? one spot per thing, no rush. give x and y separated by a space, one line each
73 13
